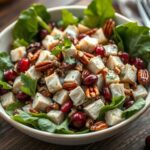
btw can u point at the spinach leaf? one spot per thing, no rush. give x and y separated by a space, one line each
26 119
40 115
29 86
46 125
10 109
83 131
63 128
138 105
19 42
29 22
135 39
98 12
68 18
116 102
5 85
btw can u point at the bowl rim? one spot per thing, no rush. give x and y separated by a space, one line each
114 128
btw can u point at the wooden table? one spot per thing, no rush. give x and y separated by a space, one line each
131 138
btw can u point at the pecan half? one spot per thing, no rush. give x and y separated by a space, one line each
90 32
108 27
69 85
33 57
100 125
143 77
92 92
84 57
42 66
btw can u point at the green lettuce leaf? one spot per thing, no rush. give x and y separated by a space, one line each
68 18
98 12
116 103
5 85
12 107
135 39
19 42
29 22
138 105
46 125
29 86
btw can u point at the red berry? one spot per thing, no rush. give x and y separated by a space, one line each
137 62
107 94
23 65
10 75
66 107
81 36
43 33
100 50
22 97
147 142
128 103
78 120
124 57
90 80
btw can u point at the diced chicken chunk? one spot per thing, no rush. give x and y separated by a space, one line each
111 49
53 83
7 99
57 33
77 96
114 61
82 28
113 117
100 81
140 92
73 76
128 74
117 89
56 116
88 44
45 56
93 109
61 96
27 108
72 31
96 64
100 36
32 73
18 53
49 42
70 52
41 102
111 77
17 84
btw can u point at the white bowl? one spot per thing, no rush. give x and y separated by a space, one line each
76 139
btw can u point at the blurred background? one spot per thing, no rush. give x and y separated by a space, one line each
10 9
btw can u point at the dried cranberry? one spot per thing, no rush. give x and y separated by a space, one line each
128 103
78 120
81 36
22 97
10 75
23 65
100 50
147 142
90 80
107 94
124 57
42 34
3 91
66 107
138 63
34 47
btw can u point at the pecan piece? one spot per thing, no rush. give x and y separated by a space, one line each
33 57
44 91
69 85
42 66
108 27
90 32
143 77
100 125
89 123
92 92
84 57
53 106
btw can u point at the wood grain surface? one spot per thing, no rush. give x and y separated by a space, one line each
131 138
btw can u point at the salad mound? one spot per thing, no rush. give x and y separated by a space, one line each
77 75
